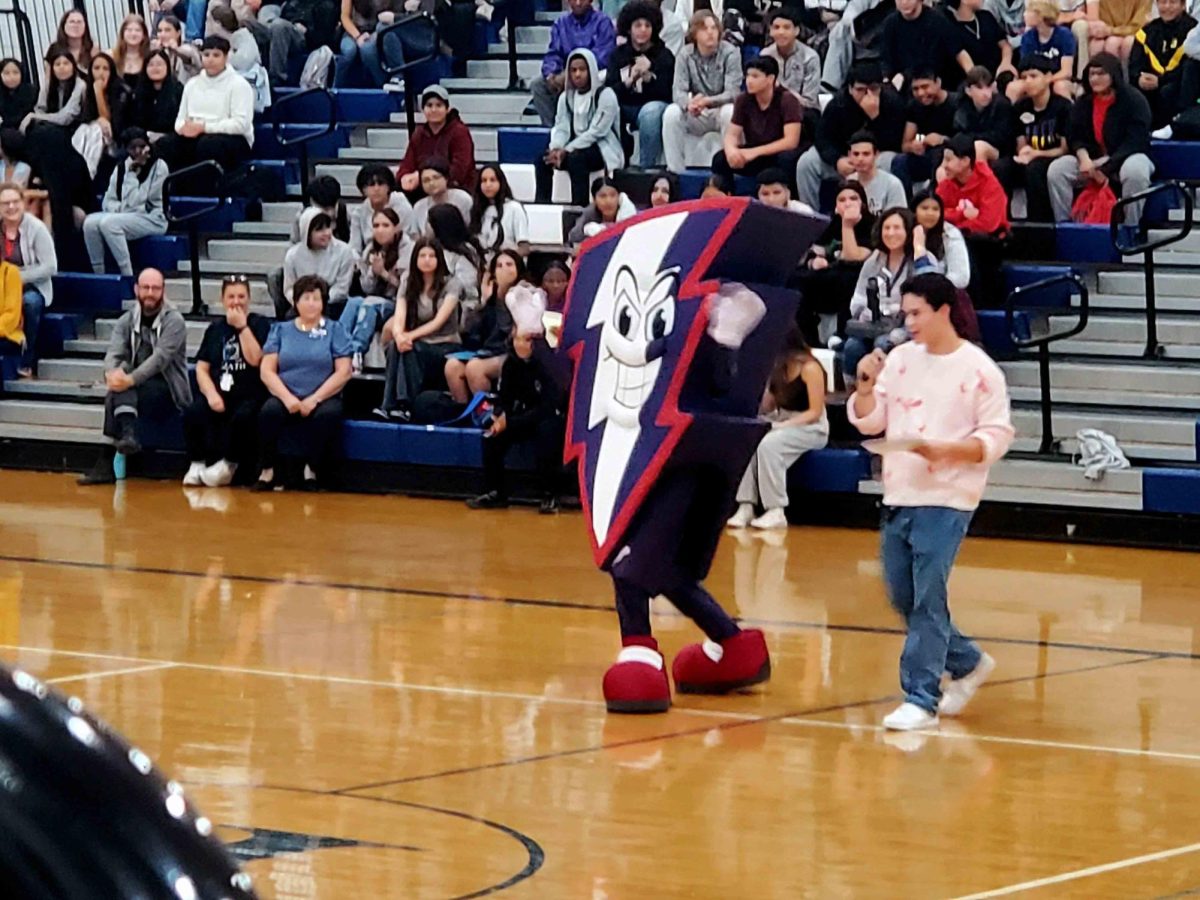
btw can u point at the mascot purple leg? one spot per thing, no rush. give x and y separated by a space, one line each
673 321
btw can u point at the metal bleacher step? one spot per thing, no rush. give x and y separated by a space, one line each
75 371
43 388
42 412
17 431
469 85
246 250
498 68
490 118
1190 244
284 211
468 105
180 292
210 266
1160 385
263 229
1167 284
396 139
525 50
534 34
195 329
1117 302
1083 346
1157 436
1053 483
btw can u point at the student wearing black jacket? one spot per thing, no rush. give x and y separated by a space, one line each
1157 61
159 93
17 96
1117 154
641 72
864 104
986 116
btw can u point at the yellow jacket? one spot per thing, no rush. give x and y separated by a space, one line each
10 303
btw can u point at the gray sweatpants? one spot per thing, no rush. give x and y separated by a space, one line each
1063 176
117 230
765 481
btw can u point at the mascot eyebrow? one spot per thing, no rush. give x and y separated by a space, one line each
652 316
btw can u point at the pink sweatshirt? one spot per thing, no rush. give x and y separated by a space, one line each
952 397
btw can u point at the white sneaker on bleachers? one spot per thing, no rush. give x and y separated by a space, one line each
958 693
193 478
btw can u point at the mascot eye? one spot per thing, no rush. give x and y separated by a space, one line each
625 320
660 321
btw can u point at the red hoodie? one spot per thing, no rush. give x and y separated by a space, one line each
985 192
453 144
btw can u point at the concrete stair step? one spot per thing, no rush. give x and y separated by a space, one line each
41 412
180 292
263 229
548 15
526 50
473 84
242 250
1157 429
1133 449
485 138
1104 302
227 267
284 211
195 329
40 388
96 347
1166 284
1042 496
497 101
1062 475
488 118
1147 377
17 431
498 68
75 371
534 34
1081 346
1190 244
1120 398
1171 329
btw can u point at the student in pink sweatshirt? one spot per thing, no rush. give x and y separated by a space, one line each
947 396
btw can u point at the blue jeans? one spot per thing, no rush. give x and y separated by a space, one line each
649 128
369 54
197 11
361 319
33 304
918 545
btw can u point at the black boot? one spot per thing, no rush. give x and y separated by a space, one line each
102 471
549 505
127 439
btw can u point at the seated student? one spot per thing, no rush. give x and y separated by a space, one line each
982 37
609 206
830 273
60 101
554 283
915 37
974 200
486 331
27 244
794 404
219 425
182 55
930 121
884 190
325 194
300 27
497 220
17 96
322 255
665 191
799 67
145 370
244 55
464 257
443 137
641 72
157 98
435 182
1109 27
1109 141
107 110
717 186
1156 63
764 132
586 134
1045 37
864 104
985 116
381 270
12 338
1043 119
531 407
129 54
583 28
74 37
773 191
708 77
898 253
361 20
13 167
943 241
422 332
132 205
305 365
377 184
216 115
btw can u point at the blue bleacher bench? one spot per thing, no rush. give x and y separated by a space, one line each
87 293
1171 490
522 145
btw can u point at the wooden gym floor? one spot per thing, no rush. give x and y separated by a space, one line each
383 697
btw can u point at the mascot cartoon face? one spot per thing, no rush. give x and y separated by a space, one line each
635 315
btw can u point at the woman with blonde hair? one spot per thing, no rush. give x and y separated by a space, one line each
133 45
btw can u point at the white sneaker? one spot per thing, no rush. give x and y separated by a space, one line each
219 473
395 86
741 518
1163 134
772 518
194 476
958 693
909 717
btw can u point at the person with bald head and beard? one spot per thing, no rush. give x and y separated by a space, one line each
145 370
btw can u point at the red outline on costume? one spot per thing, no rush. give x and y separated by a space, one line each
669 416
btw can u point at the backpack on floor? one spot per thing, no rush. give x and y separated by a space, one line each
317 69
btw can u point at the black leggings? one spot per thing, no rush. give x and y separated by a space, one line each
633 610
546 435
212 436
321 429
579 164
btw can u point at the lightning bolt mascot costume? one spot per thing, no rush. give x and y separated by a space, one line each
673 321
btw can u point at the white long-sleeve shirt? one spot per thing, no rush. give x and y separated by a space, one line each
225 104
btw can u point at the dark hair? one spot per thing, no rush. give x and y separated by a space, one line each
132 133
61 41
923 72
556 264
522 271
771 175
173 22
783 12
935 288
978 76
318 222
224 16
438 164
1107 63
862 136
794 345
764 64
877 232
866 72
20 68
324 191
59 92
935 238
722 183
215 42
601 182
480 203
640 9
12 142
144 79
375 173
447 225
414 284
114 92
962 145
308 283
672 181
391 253
1037 62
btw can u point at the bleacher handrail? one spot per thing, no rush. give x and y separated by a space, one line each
28 54
1147 247
302 140
409 22
1042 342
192 218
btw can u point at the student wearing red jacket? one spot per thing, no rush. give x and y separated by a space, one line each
971 193
443 135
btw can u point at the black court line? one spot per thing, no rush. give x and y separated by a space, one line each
728 725
568 604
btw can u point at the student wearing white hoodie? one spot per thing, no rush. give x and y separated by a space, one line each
216 115
320 254
586 136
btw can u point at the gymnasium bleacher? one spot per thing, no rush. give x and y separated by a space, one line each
1103 377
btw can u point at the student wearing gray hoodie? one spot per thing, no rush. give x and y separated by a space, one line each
708 78
320 254
132 206
27 244
586 136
